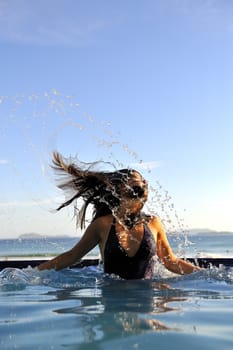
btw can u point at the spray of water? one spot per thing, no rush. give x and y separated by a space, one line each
38 124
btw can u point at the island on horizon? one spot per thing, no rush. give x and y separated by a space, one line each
34 235
200 231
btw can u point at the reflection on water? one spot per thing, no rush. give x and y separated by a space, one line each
120 308
84 309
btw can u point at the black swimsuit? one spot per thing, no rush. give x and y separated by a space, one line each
116 260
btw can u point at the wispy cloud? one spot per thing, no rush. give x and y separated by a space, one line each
3 162
49 23
201 15
76 22
36 202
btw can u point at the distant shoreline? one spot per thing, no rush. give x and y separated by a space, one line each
191 232
40 236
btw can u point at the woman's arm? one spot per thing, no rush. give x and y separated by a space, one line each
88 241
166 255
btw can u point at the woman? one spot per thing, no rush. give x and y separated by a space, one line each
128 239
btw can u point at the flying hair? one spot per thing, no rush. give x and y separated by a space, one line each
99 188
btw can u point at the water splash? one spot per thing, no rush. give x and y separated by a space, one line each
12 279
218 280
39 123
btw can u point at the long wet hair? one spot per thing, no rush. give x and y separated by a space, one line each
99 188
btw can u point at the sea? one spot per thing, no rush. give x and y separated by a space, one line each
85 309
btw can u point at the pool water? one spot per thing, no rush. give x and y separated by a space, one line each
85 309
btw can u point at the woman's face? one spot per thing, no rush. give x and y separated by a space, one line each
134 193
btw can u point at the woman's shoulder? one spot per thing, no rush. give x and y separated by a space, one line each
149 218
101 226
103 221
153 221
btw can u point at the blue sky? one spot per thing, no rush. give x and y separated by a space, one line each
142 83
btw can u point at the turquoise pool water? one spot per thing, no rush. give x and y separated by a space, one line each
85 309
